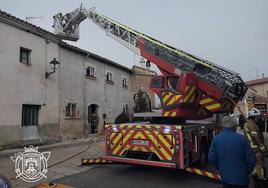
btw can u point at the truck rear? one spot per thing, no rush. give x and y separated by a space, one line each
171 146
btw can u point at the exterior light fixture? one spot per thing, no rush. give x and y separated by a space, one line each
148 64
54 64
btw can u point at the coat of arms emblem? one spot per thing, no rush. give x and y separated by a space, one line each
31 165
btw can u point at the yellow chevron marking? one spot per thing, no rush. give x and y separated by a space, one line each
163 151
154 141
173 114
189 94
98 160
198 171
186 89
192 99
205 101
124 140
166 114
91 161
211 107
160 136
84 161
166 97
210 175
171 101
158 126
104 161
148 126
117 137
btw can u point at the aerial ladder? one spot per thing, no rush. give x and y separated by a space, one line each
189 88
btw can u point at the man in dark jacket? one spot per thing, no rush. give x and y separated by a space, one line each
231 154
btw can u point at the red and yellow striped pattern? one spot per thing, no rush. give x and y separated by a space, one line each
169 98
162 144
171 113
189 94
94 161
250 104
203 173
209 103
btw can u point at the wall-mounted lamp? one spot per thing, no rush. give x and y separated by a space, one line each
54 63
148 64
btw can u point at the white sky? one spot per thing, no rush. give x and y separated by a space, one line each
231 33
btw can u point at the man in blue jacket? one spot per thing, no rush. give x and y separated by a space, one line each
231 154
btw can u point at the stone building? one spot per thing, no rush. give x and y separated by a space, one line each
42 102
260 93
258 90
140 78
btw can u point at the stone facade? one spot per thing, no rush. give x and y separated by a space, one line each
67 91
141 77
259 90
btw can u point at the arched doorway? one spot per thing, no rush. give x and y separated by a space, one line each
93 118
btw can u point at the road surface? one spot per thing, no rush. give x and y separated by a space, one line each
128 176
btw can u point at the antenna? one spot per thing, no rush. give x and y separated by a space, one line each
28 18
257 72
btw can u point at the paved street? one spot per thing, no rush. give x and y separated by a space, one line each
71 173
122 176
58 153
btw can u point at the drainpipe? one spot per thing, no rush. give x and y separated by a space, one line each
84 96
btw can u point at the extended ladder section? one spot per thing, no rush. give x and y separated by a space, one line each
220 77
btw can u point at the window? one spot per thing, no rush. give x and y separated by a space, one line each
125 109
71 109
157 82
25 55
90 72
30 114
124 82
173 82
109 78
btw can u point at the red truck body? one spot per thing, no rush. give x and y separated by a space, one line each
171 146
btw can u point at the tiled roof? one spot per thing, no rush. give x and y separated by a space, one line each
257 81
93 56
28 27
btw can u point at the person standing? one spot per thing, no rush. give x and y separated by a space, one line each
256 140
232 155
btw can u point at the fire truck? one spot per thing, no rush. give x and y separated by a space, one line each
190 89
